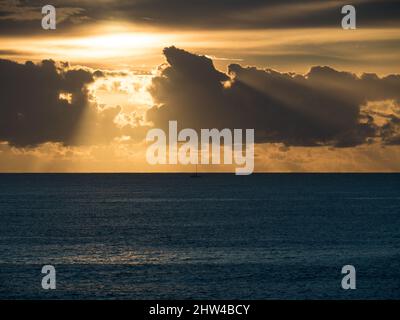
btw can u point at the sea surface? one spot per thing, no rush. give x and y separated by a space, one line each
221 236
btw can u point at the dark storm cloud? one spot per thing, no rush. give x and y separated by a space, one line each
50 102
320 108
31 110
207 14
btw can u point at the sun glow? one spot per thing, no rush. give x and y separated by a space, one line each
112 45
101 47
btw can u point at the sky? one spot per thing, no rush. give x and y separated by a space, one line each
82 98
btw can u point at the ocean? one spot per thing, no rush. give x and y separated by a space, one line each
221 236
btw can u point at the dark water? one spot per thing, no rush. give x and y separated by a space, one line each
164 236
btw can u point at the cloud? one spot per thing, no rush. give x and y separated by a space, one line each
51 102
205 14
321 108
25 17
244 14
31 109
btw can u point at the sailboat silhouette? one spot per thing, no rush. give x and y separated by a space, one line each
195 175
